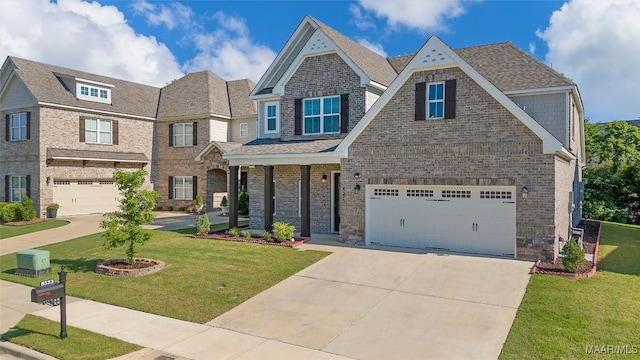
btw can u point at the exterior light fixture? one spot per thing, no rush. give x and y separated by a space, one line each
48 180
324 178
524 191
357 188
357 175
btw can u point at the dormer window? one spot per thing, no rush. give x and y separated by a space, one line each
93 91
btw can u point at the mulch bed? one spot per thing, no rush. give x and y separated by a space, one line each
590 241
120 267
223 235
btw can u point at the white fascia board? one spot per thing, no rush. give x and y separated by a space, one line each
565 154
265 97
540 91
578 100
82 80
318 44
285 159
377 86
75 108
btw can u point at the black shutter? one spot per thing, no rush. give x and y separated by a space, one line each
114 134
298 117
7 178
170 187
29 186
170 134
81 129
195 187
344 113
7 127
450 99
195 133
421 99
28 125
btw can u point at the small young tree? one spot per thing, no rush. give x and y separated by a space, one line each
573 256
136 209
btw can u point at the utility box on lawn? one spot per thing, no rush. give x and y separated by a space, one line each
33 263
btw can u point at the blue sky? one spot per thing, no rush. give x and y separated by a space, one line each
595 43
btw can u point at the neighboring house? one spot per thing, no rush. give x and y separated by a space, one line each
474 150
66 131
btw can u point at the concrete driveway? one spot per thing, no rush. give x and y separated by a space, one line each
380 304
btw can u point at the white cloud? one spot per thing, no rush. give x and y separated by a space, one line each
419 14
532 47
84 36
375 47
229 51
596 44
360 19
171 15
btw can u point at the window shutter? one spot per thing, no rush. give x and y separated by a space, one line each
298 117
170 134
344 113
29 186
28 125
114 134
450 99
7 129
7 178
195 133
81 131
195 187
421 99
170 187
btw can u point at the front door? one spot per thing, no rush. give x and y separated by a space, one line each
335 202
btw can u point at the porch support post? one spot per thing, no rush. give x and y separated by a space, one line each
268 197
305 201
233 197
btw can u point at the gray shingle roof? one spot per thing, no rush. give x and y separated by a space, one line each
199 93
239 91
126 97
275 146
57 153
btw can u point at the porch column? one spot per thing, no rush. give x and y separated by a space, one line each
305 200
268 197
233 197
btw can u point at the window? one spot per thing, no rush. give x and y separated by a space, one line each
435 95
18 126
84 90
98 131
271 117
244 130
322 115
183 187
94 92
17 188
103 94
183 134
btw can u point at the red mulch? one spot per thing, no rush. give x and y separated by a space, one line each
589 241
137 264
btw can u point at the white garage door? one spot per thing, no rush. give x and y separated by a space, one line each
81 197
458 218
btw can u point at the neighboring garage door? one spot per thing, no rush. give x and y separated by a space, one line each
458 218
85 196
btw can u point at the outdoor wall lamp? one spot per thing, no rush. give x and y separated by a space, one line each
324 178
524 191
357 188
357 176
48 180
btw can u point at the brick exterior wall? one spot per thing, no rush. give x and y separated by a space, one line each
287 178
483 145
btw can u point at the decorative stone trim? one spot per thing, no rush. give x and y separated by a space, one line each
104 268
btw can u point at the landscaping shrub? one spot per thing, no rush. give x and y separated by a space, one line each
203 225
234 232
246 233
29 213
12 212
266 235
573 256
283 231
170 208
243 203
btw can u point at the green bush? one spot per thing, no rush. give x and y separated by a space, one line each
170 208
573 256
12 212
234 232
266 235
246 234
243 203
29 213
283 231
158 208
202 225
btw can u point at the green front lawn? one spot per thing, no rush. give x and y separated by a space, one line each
7 231
559 318
203 278
42 334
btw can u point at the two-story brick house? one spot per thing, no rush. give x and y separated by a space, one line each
474 150
66 131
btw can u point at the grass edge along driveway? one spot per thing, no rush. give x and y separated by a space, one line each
562 318
8 231
202 279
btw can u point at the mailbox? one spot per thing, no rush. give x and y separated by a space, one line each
47 292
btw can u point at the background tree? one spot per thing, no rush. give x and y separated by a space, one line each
136 209
612 175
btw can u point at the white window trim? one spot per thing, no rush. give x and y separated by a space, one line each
98 131
321 115
91 90
266 118
244 131
429 102
11 127
184 134
21 193
183 187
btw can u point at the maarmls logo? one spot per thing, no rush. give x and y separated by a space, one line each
611 349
